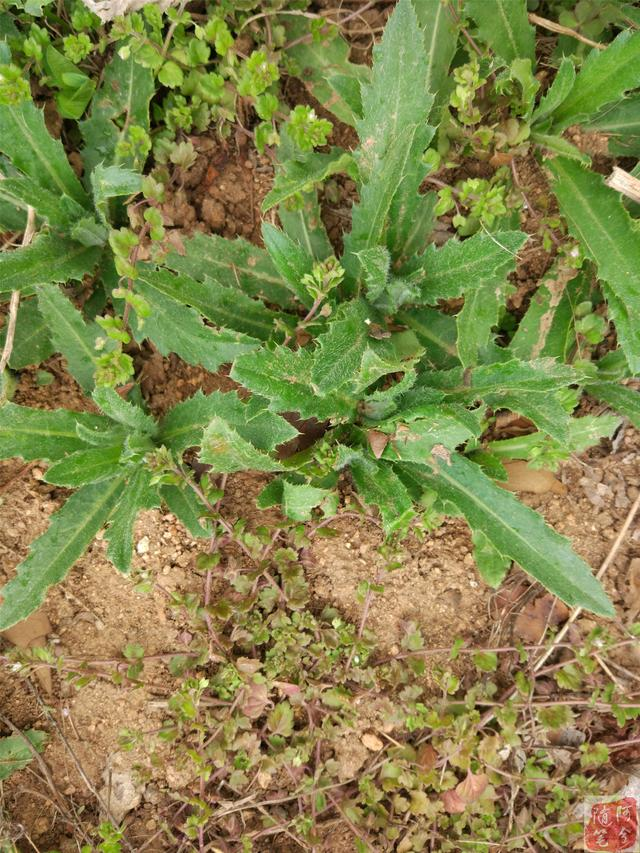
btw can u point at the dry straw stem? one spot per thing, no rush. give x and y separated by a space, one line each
15 296
624 183
546 24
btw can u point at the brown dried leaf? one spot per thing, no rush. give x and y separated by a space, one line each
256 700
472 788
452 802
427 757
377 442
545 611
28 634
522 478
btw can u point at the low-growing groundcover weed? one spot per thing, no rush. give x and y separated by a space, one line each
402 390
289 724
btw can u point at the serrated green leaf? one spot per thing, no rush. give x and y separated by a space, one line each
380 486
74 88
524 387
113 181
285 379
492 565
437 334
186 507
370 214
504 26
139 494
339 352
620 397
235 264
298 501
31 343
519 533
174 327
412 214
304 225
48 259
547 329
597 217
483 300
621 123
69 534
315 63
448 426
290 259
559 145
91 465
70 335
459 264
128 414
537 376
299 174
397 96
556 93
605 76
125 93
227 452
440 38
25 139
375 263
40 434
15 753
227 307
394 105
25 192
183 425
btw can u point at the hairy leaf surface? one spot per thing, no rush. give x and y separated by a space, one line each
299 174
31 344
504 26
70 335
620 397
139 494
176 328
604 78
48 259
290 259
125 93
41 434
284 377
556 93
227 451
519 533
460 264
26 141
597 217
69 534
85 466
317 61
234 263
